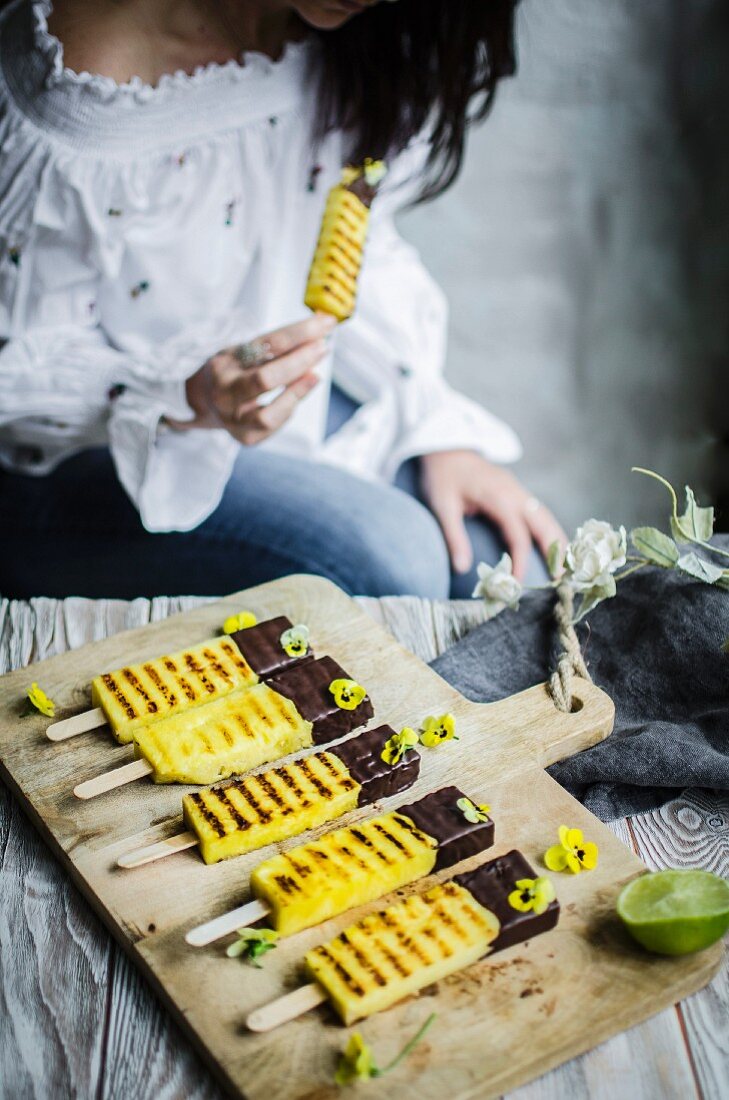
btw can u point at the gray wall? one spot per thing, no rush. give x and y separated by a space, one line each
584 251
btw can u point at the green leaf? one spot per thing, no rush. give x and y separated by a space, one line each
655 546
257 949
593 597
696 524
555 559
252 943
699 568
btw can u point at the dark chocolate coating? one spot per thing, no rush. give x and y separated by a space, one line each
307 686
439 817
362 757
491 885
364 191
262 649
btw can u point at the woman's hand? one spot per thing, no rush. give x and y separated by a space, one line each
225 391
461 483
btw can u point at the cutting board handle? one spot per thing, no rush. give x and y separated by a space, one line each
541 734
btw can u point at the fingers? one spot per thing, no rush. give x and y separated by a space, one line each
448 510
260 421
234 386
518 539
283 340
545 529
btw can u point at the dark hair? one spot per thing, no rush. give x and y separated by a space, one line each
391 70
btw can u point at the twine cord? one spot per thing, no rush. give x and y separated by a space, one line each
570 662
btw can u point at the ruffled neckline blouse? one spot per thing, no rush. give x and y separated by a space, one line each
95 113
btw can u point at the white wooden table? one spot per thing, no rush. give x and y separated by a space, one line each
77 1021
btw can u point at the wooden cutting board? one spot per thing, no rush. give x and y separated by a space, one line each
499 1023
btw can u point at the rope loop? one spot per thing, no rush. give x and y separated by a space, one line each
570 662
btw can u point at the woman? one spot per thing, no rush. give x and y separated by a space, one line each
168 421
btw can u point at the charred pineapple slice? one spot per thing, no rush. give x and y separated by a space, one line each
332 285
261 809
345 868
394 953
137 695
229 736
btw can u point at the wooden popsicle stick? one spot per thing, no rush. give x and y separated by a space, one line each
229 922
160 850
286 1008
78 723
116 778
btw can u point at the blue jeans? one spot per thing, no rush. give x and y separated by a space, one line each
75 532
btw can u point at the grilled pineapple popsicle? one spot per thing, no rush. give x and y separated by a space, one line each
332 285
301 707
349 867
394 953
262 809
140 694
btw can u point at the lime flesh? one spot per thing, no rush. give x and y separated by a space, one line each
675 912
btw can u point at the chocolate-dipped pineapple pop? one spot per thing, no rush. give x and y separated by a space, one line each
332 284
141 694
389 955
309 704
283 802
351 866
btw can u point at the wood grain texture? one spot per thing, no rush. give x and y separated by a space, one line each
163 1064
693 831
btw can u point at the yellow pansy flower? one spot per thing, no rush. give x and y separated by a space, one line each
573 853
437 729
295 640
472 812
241 621
532 895
356 1061
41 701
396 746
348 694
374 171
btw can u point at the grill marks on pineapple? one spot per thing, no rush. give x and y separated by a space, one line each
310 869
169 696
259 813
133 680
207 813
137 694
185 686
388 947
338 255
118 695
321 788
257 799
221 793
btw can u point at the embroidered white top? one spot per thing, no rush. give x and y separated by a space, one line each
142 229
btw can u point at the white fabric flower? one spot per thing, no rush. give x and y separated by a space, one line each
497 586
595 553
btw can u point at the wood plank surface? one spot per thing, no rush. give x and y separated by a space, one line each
644 1062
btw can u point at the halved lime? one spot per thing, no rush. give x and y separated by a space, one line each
675 912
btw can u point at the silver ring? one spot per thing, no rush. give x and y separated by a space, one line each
531 505
253 353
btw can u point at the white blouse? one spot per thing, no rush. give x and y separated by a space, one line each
143 229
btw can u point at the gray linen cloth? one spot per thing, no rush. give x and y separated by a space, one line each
656 650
